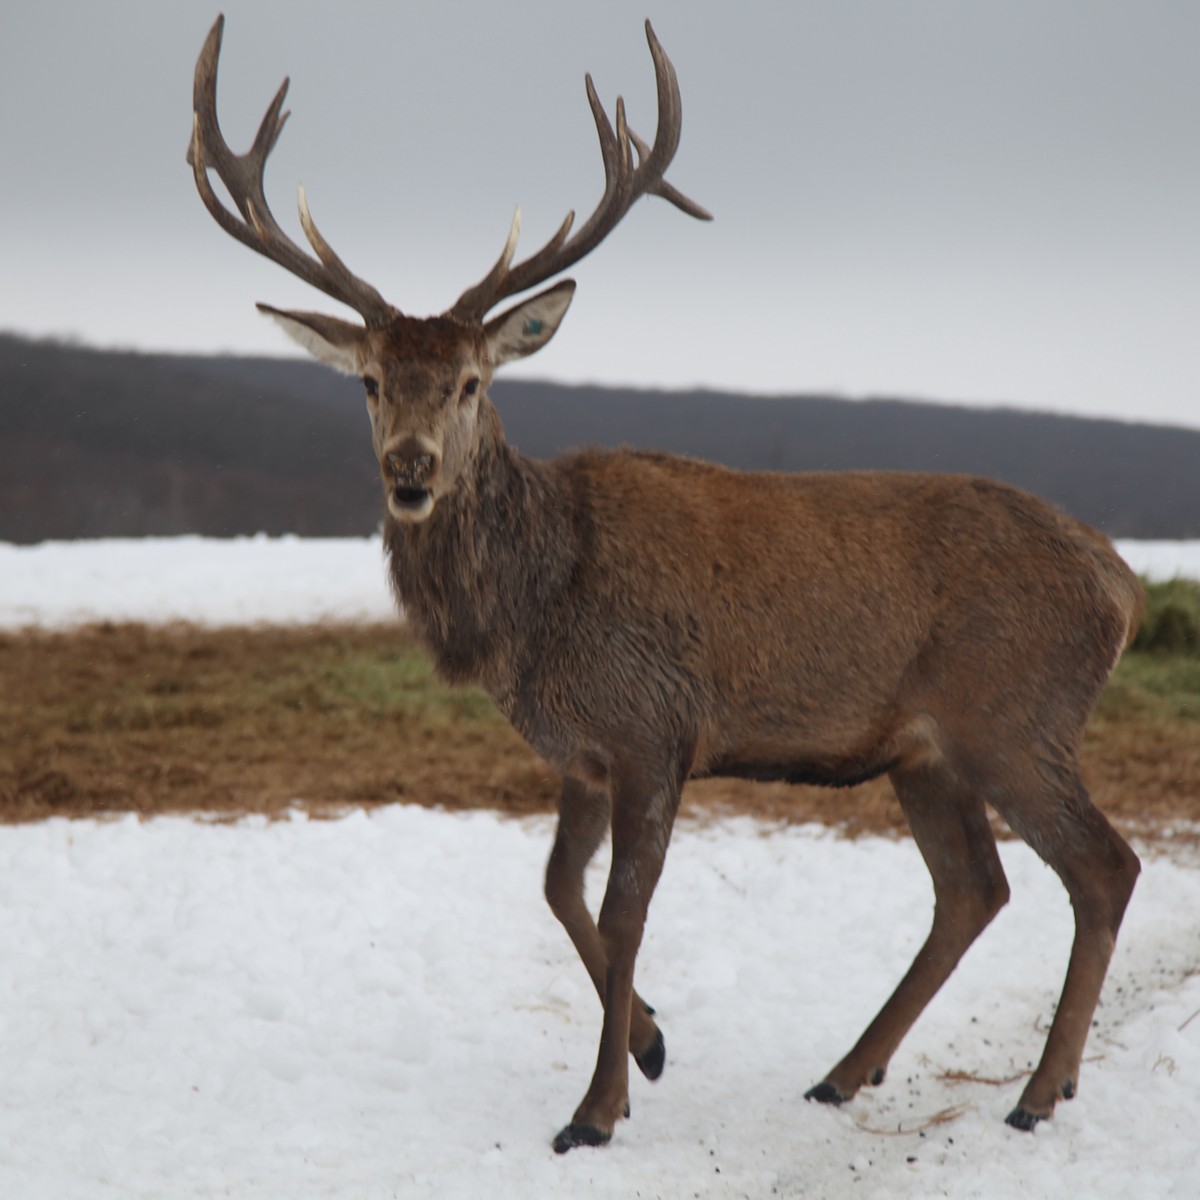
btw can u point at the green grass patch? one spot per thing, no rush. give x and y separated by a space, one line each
338 680
396 682
1158 679
1172 621
1153 688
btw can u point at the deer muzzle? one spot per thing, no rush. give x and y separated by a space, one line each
410 470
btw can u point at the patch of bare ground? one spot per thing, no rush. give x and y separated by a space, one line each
232 721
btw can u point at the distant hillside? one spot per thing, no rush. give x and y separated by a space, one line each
97 443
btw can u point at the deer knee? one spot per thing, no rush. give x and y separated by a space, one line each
563 885
621 926
1099 873
994 896
966 910
1121 881
1101 896
991 893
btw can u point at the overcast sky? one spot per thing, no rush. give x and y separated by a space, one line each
992 202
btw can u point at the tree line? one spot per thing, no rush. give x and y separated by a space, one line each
111 443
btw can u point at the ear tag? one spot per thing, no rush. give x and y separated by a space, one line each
533 326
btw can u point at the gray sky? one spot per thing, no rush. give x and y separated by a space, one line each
993 202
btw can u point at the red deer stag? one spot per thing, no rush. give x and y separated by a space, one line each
642 619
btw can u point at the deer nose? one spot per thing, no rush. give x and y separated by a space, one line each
411 464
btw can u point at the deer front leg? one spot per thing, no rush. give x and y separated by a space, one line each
583 815
643 813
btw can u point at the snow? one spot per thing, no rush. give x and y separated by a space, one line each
1163 559
255 580
209 581
383 1006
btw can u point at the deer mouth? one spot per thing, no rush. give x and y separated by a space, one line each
410 504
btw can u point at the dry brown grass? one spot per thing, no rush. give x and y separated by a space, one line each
128 718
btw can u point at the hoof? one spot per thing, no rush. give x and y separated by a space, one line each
1024 1120
825 1093
579 1135
651 1063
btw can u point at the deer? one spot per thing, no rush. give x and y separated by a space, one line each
643 619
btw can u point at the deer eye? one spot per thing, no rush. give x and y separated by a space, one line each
372 386
470 387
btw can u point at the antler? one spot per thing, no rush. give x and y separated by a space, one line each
623 184
242 174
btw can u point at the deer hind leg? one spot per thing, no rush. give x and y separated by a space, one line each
951 830
643 814
1098 869
583 816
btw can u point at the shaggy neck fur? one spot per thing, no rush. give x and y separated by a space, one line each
477 576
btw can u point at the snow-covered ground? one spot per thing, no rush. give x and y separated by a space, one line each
382 1005
211 581
251 580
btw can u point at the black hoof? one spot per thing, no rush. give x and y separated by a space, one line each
652 1062
825 1093
579 1135
1022 1119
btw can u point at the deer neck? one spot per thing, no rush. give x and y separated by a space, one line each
475 577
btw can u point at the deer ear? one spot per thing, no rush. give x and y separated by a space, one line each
528 326
336 343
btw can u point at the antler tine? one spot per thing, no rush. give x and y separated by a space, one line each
669 193
242 175
488 283
623 184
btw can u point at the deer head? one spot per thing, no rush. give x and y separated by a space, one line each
426 379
